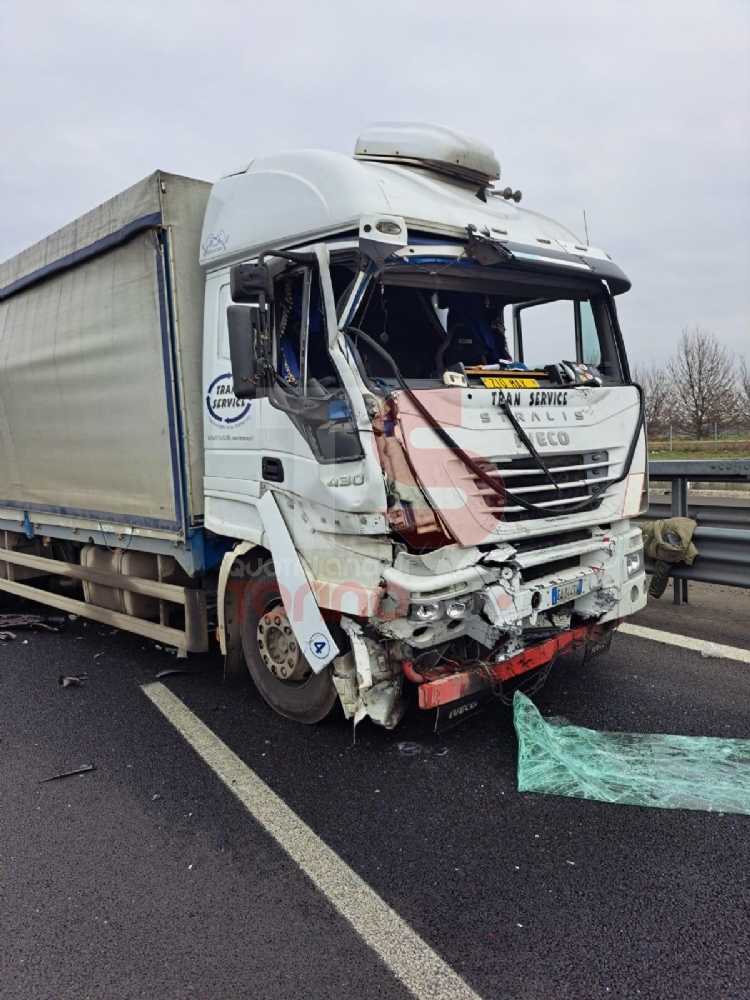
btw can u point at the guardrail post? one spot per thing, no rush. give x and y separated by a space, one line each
680 509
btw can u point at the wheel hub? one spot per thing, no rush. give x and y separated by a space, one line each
279 648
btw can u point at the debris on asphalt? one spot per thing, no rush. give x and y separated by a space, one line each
97 655
409 749
155 797
712 649
83 769
7 636
172 671
658 770
49 623
74 680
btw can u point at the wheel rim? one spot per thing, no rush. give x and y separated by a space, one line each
279 648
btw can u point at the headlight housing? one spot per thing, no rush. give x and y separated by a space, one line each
427 612
634 563
456 609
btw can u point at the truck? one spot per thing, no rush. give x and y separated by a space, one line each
364 419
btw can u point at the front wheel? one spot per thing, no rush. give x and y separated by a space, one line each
281 673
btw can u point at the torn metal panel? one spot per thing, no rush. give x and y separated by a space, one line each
368 682
299 599
403 484
345 569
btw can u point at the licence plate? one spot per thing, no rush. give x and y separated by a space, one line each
567 592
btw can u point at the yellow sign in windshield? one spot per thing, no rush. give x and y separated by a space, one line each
510 383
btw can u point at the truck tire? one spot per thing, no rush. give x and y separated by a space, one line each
281 673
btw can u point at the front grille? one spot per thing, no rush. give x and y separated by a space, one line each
547 569
538 542
574 474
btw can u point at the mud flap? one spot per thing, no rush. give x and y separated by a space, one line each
598 646
456 712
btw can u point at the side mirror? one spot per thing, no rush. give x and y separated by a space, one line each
247 282
243 323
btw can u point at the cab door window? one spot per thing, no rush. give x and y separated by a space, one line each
301 349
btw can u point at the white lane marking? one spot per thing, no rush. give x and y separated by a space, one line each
686 641
423 972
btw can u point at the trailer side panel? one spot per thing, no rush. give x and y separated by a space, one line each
93 413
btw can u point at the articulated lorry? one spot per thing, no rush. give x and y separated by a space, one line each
365 418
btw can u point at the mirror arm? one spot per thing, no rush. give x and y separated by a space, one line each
296 258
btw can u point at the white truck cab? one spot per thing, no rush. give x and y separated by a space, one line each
421 407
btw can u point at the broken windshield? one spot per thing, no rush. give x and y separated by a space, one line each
435 319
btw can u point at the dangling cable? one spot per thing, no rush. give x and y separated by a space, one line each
485 477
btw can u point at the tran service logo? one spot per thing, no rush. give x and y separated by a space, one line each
224 409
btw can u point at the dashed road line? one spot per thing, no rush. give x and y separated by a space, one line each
405 953
687 642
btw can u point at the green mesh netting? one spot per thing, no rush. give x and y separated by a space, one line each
670 772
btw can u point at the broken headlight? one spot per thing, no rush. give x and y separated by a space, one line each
634 563
456 609
427 612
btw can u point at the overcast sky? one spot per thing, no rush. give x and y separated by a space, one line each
637 112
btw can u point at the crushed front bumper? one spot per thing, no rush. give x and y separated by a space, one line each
479 679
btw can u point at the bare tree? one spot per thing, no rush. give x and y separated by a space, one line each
658 392
702 374
743 392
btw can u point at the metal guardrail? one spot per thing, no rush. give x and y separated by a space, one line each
724 551
708 512
721 470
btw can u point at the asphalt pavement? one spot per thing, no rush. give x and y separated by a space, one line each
148 878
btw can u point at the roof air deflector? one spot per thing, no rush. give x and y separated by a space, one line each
432 147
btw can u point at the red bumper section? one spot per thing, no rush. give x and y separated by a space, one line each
473 679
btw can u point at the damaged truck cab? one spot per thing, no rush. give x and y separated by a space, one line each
420 426
367 414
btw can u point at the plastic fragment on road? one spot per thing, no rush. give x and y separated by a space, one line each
83 769
74 680
662 771
711 649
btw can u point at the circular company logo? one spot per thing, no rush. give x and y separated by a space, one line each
319 645
223 406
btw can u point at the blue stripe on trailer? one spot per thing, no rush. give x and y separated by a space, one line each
85 253
107 517
171 388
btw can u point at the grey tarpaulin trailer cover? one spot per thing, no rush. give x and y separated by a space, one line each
101 332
